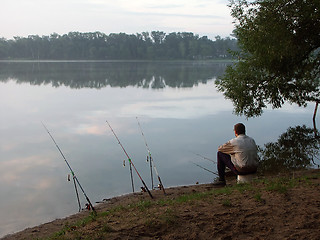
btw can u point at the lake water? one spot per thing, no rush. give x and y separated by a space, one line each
178 107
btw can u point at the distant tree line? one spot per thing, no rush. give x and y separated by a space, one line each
155 45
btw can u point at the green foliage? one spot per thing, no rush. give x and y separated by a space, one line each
295 149
99 46
279 57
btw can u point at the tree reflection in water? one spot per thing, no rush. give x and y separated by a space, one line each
297 148
91 74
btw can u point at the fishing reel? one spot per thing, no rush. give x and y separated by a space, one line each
149 158
69 177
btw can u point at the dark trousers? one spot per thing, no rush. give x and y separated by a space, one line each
224 160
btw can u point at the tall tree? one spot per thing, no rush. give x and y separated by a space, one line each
279 60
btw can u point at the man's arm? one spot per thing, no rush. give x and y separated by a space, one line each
227 148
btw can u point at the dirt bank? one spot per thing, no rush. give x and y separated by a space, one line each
271 208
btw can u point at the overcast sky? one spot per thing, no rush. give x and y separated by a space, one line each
43 17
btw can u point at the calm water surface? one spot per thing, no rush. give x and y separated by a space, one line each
178 107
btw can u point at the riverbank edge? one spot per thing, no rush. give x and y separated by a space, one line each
48 229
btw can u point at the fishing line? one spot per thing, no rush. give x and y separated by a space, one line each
205 169
205 158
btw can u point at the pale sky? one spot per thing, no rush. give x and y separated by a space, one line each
44 17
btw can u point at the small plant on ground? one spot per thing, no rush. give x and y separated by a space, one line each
169 217
143 205
107 229
226 203
258 197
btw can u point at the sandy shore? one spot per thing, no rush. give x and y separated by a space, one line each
201 212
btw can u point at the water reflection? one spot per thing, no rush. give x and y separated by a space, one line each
155 75
297 148
176 121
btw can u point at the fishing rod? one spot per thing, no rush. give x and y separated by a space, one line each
130 161
204 157
149 154
151 172
124 163
151 160
205 169
76 189
130 167
72 172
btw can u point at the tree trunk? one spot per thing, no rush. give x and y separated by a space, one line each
314 119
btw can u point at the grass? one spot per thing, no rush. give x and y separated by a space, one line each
226 203
168 217
107 229
281 185
258 197
143 205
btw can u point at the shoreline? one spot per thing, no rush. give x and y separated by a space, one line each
280 206
126 198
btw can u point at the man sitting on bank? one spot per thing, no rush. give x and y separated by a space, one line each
240 155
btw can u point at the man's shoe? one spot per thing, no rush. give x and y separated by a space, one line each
220 183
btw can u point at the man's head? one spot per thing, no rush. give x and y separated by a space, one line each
239 128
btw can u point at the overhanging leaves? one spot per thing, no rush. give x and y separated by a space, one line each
279 58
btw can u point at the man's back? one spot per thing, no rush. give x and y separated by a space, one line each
244 152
